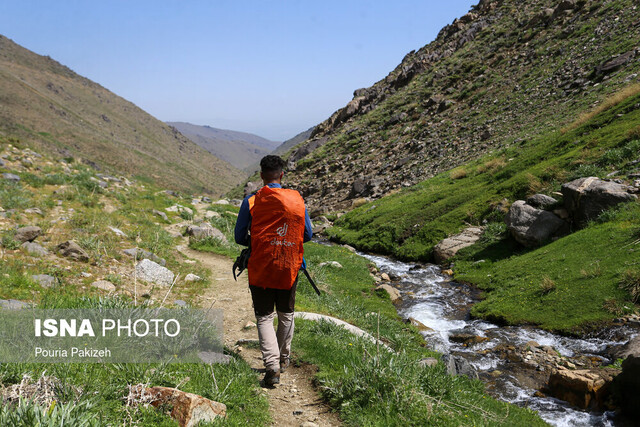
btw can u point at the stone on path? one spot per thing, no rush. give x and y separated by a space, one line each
205 230
152 272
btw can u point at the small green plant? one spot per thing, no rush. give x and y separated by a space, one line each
611 305
8 240
116 279
493 232
630 282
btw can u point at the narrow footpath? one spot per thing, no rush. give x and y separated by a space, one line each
293 402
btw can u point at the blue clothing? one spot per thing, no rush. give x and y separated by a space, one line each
244 216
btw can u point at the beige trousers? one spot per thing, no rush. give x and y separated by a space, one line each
275 346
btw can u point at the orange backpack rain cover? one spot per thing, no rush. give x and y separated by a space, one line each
277 234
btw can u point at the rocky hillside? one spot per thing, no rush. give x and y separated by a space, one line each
57 111
241 149
503 73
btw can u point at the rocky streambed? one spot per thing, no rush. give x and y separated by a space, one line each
522 365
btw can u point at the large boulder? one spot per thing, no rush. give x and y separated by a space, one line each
587 198
150 271
583 388
27 234
71 249
530 226
187 409
627 388
450 246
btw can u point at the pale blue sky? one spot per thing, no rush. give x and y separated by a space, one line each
273 68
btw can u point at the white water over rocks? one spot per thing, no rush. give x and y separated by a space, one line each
443 306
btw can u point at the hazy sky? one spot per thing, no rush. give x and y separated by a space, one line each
274 68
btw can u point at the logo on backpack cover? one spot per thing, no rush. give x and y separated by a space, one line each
282 231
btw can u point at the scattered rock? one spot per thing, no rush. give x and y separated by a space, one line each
334 264
13 304
428 362
139 254
530 226
541 201
187 409
71 249
418 324
11 177
204 231
161 214
85 274
118 232
152 272
179 208
393 293
36 211
349 248
632 348
584 388
27 234
467 339
251 187
192 278
34 249
180 303
104 285
221 202
459 366
587 198
450 246
249 325
211 214
44 280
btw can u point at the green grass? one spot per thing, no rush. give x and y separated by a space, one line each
586 267
99 391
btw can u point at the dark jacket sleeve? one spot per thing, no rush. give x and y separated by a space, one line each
242 224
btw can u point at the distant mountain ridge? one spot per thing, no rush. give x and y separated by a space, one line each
241 149
50 107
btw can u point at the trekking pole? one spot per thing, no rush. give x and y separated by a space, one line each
315 288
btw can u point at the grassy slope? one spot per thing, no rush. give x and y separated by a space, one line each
369 387
57 111
409 223
85 219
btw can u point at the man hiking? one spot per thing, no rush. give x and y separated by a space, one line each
279 224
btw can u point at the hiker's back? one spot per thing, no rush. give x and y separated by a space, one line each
277 234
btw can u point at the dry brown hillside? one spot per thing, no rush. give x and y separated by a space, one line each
47 105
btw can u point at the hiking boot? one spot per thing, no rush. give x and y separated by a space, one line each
284 364
271 378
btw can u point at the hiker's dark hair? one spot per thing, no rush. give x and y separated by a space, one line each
271 166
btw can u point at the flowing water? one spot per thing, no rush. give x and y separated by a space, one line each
443 306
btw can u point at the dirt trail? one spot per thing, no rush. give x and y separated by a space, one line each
294 401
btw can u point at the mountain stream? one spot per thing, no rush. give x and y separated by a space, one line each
501 356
